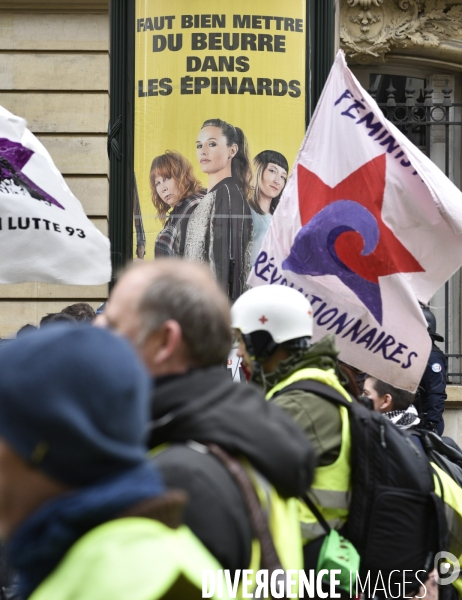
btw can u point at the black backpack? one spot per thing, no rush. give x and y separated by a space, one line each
448 456
396 520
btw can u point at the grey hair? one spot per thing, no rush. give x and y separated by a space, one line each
201 311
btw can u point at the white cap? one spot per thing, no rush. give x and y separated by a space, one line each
281 311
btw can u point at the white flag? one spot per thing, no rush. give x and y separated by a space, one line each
44 232
367 227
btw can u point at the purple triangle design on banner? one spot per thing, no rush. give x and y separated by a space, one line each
13 157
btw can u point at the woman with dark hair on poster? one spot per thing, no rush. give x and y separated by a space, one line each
220 230
270 178
173 186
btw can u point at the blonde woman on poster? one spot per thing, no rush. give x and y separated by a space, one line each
173 186
270 178
220 229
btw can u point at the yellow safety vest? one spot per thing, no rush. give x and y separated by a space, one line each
283 521
331 487
133 557
452 495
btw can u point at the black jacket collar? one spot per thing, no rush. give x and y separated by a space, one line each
206 406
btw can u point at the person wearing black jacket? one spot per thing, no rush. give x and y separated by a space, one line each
431 393
204 405
178 319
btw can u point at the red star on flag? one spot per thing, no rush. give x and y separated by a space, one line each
366 186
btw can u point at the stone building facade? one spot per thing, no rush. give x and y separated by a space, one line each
54 72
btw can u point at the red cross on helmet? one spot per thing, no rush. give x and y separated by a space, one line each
283 312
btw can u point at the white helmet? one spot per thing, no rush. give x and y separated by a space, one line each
281 311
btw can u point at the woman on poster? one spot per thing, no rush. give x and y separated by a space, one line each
270 168
220 230
173 186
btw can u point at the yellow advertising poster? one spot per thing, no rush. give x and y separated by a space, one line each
219 117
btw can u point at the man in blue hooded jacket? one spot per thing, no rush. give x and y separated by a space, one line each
83 513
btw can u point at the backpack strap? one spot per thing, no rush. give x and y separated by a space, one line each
329 393
438 502
318 388
258 519
317 513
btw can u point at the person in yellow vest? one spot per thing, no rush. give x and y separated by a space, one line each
84 514
178 319
274 325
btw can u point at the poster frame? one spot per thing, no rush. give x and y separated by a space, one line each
319 53
120 141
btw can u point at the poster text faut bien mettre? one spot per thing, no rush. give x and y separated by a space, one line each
273 38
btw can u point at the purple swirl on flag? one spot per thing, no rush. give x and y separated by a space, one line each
13 157
313 251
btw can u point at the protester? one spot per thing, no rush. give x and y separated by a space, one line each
50 318
396 404
431 394
178 319
81 311
83 513
26 329
354 378
275 326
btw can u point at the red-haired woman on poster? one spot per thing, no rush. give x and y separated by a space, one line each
220 230
173 186
270 178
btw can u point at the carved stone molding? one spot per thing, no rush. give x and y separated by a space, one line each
369 29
